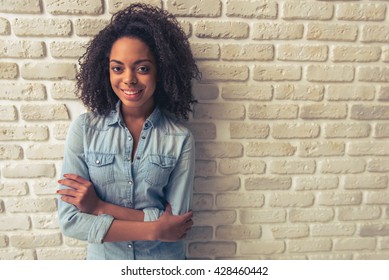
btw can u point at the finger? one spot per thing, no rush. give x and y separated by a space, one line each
67 192
76 178
70 183
68 199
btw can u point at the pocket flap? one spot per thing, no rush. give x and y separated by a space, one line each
99 159
162 161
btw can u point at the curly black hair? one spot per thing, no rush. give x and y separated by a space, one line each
167 41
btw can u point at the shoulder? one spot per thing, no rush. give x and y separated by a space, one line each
92 120
173 126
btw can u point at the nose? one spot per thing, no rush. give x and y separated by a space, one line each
130 78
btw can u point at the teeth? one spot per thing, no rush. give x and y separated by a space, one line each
131 92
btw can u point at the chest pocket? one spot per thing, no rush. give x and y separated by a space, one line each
100 168
158 169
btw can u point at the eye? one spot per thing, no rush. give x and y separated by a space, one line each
143 69
116 69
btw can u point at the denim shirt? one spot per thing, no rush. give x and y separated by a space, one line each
99 149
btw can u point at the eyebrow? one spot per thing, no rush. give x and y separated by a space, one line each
136 62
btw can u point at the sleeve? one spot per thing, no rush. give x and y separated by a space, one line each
179 190
74 223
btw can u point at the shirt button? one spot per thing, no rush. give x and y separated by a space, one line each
130 246
129 138
130 183
97 162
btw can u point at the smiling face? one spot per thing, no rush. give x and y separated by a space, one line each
133 75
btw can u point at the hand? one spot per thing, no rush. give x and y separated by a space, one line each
81 194
171 228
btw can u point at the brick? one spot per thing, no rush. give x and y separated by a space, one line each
385 54
365 182
332 229
361 12
369 112
292 167
347 130
22 49
368 149
295 130
307 10
27 170
196 8
20 7
71 49
63 254
217 184
30 241
45 151
330 73
3 242
63 91
212 150
203 131
247 92
311 245
186 27
339 199
277 73
215 217
383 94
8 70
327 257
291 199
31 205
299 92
205 168
342 166
241 166
202 202
223 72
8 113
45 221
49 71
27 92
24 133
375 33
221 29
277 31
204 51
262 216
290 231
268 183
349 93
14 223
374 74
311 215
258 9
355 244
381 130
44 112
43 187
42 27
10 152
200 233
5 26
219 111
248 130
60 131
323 111
79 7
205 91
89 26
247 52
377 197
359 213
117 5
212 249
17 254
321 148
261 247
273 149
238 232
374 229
291 52
239 200
378 165
272 111
355 54
332 32
316 183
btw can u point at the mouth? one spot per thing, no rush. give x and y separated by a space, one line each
132 92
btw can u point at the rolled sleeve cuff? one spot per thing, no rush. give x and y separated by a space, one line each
100 228
152 214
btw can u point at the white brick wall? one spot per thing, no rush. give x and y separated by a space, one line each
292 125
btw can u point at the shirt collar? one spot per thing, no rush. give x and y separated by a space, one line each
116 117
